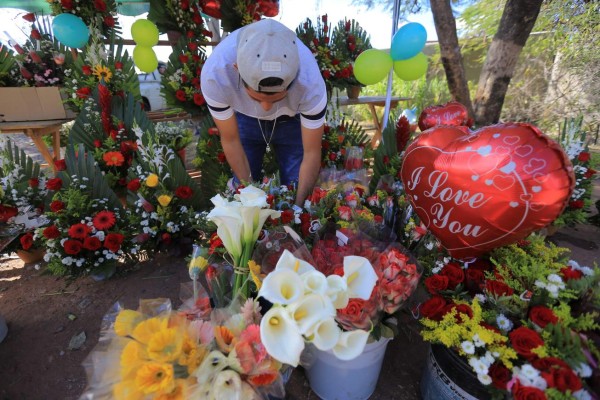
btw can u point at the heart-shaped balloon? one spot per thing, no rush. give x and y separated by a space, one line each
452 113
491 188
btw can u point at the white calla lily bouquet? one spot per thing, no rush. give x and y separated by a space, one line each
239 224
304 308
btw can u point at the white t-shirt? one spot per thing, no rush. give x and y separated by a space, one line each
224 91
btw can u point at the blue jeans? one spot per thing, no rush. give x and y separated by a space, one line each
284 137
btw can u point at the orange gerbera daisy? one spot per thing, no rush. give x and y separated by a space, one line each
113 158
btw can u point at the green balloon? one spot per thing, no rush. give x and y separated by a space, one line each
144 32
411 69
372 66
145 58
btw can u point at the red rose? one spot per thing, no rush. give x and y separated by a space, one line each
113 241
26 240
455 274
7 212
92 243
67 4
166 237
87 70
521 392
474 278
54 184
184 192
576 204
109 21
72 246
583 156
498 288
199 99
60 165
83 93
97 143
51 232
118 65
34 182
433 308
221 157
500 375
524 340
57 206
569 273
358 314
436 283
287 216
183 58
192 46
180 95
134 185
547 363
542 316
589 173
100 5
563 379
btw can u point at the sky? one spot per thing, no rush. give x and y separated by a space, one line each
376 22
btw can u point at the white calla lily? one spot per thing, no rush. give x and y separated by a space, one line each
315 282
220 201
280 336
251 196
326 334
308 311
360 277
282 287
350 344
337 291
227 386
288 261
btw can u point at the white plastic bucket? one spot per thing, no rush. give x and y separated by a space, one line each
333 379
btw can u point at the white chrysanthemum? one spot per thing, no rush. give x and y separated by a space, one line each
504 323
477 341
468 347
479 367
583 370
485 379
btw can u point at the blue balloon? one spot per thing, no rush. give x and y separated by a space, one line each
408 41
70 30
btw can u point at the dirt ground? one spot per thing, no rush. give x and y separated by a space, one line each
39 358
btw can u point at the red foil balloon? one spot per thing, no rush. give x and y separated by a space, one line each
491 188
452 113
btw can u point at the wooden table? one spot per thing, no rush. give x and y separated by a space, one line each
372 102
35 130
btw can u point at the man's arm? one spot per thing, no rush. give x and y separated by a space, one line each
311 162
232 146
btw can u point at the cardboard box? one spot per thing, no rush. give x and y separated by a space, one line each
32 104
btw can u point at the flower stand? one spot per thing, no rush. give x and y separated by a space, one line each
446 376
353 92
31 256
331 378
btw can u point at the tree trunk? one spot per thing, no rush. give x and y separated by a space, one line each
516 24
445 26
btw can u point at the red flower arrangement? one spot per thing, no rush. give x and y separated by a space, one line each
98 14
519 318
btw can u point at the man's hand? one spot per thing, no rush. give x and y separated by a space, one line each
311 163
232 146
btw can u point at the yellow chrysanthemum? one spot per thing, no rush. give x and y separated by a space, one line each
164 199
155 377
126 321
179 393
132 356
145 329
152 180
127 390
197 265
165 345
102 73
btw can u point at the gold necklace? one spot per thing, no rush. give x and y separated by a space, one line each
267 142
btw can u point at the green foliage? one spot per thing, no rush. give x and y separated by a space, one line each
13 157
7 63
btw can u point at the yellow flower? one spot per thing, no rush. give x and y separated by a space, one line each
127 390
192 354
132 356
197 265
179 393
102 72
163 199
255 273
155 377
126 322
145 329
152 180
165 346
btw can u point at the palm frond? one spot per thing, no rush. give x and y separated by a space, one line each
386 149
15 156
81 164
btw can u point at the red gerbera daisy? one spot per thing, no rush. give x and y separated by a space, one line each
104 220
79 231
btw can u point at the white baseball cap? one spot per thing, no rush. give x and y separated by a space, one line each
267 49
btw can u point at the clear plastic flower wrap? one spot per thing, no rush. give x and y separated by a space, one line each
156 352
